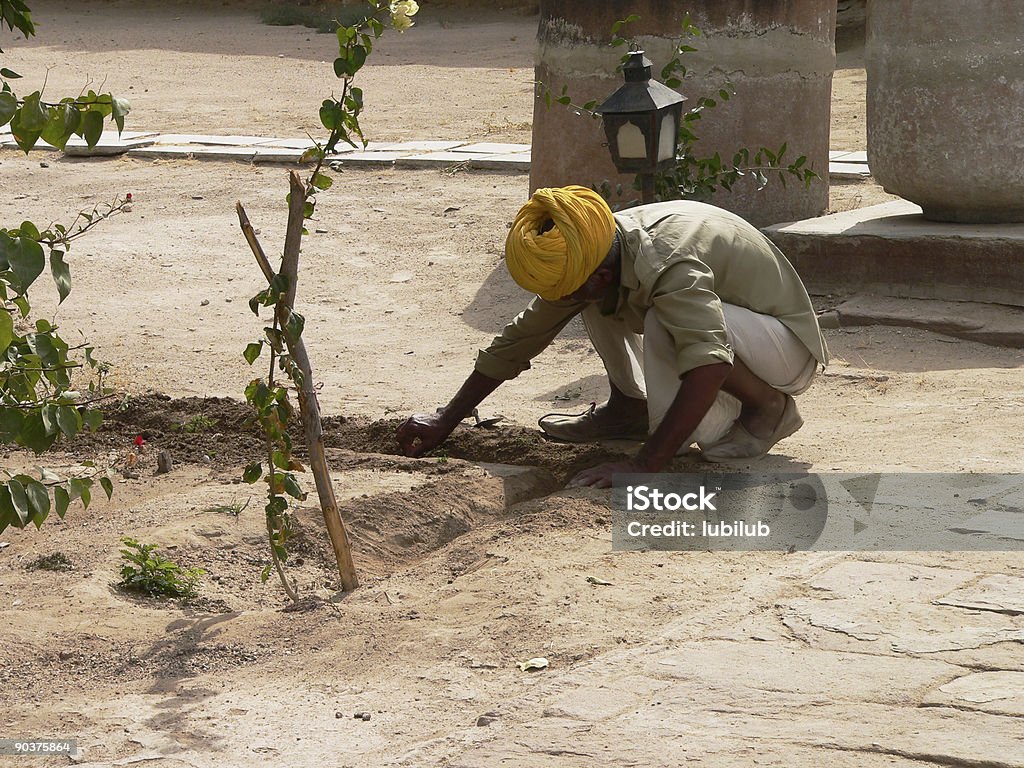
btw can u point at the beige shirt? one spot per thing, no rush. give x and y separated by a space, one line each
681 260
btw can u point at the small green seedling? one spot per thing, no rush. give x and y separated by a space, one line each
147 571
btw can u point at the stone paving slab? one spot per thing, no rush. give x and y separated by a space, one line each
1001 593
998 693
846 170
368 158
437 159
492 148
848 157
231 141
41 146
891 250
278 155
519 161
985 323
415 147
196 151
290 143
78 148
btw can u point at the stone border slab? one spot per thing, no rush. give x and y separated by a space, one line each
511 162
414 147
371 157
195 151
437 159
278 155
891 250
110 149
846 170
848 157
492 148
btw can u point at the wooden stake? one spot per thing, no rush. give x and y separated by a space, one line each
309 407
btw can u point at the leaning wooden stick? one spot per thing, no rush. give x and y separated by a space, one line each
309 407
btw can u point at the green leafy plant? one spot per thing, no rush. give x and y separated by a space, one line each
199 423
38 403
146 571
235 508
321 19
694 177
269 399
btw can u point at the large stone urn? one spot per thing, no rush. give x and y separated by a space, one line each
945 105
779 55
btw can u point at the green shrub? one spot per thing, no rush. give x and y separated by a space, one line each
320 18
147 571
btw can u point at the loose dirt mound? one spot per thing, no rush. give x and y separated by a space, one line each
219 428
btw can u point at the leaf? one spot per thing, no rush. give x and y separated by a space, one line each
49 414
533 664
63 122
322 181
253 472
6 329
92 127
8 106
61 500
33 115
26 260
93 418
61 274
11 422
10 74
20 500
252 351
291 487
108 486
69 420
38 500
294 326
24 138
34 435
118 109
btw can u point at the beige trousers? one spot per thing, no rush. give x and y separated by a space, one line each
645 366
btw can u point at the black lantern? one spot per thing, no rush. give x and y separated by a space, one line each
641 120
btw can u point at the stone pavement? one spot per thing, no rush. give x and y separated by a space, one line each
834 660
400 154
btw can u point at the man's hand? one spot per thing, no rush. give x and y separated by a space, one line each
422 432
601 475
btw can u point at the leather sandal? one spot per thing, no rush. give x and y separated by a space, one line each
581 427
738 443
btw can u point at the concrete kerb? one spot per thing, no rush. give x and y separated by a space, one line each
495 156
891 250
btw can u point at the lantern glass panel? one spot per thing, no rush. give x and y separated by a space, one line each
631 141
667 140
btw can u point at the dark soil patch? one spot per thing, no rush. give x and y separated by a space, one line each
218 430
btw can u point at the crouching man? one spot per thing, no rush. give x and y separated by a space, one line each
705 329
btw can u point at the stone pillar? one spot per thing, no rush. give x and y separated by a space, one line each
779 54
945 105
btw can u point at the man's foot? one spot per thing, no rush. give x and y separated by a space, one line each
741 443
598 422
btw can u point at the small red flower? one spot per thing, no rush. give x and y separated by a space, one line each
128 197
139 441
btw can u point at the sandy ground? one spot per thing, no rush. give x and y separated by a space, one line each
723 660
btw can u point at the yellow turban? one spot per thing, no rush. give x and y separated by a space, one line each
557 262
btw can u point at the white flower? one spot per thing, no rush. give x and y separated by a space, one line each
401 10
